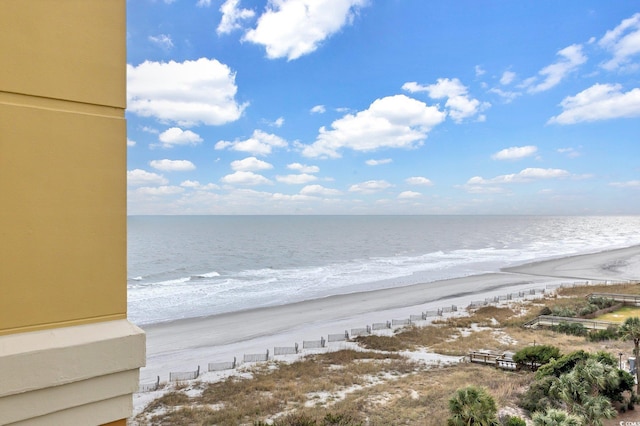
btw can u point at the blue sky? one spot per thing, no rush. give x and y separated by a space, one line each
383 107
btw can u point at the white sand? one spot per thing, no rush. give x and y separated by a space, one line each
185 344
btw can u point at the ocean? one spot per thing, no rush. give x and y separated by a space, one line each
191 266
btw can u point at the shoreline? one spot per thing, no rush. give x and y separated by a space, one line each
182 344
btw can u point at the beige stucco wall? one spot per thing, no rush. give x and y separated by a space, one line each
62 163
67 353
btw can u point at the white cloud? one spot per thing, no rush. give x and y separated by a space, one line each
623 42
318 109
190 184
250 164
419 180
187 93
203 3
279 122
391 122
176 136
479 71
409 195
507 77
569 152
370 187
599 102
162 40
319 190
515 153
194 184
373 162
303 168
159 190
150 130
260 143
571 57
130 142
293 28
139 177
245 178
296 179
459 104
231 16
524 176
172 165
627 184
507 95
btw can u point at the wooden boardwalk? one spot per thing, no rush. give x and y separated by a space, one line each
503 360
551 320
627 299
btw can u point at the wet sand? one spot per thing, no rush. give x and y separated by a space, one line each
183 345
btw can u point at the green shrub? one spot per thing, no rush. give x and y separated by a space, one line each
611 333
540 354
563 311
562 365
513 421
573 329
602 302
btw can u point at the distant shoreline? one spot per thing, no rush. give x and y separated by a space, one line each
171 345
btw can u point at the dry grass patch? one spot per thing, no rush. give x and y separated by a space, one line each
584 291
271 391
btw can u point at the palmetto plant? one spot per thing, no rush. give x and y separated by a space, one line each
472 406
630 330
555 417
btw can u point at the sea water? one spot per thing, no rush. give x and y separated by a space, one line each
191 266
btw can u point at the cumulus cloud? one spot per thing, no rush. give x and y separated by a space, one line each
370 187
277 123
524 176
318 109
599 102
296 179
623 42
260 143
409 195
172 165
373 162
419 180
162 40
515 153
187 93
319 190
391 122
139 177
479 71
571 57
303 168
250 164
194 184
176 136
232 15
130 142
245 178
159 190
293 28
459 104
507 77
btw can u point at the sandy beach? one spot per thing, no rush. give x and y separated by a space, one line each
186 344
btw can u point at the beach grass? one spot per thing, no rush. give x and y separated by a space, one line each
376 381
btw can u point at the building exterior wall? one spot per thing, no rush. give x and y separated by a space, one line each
63 294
